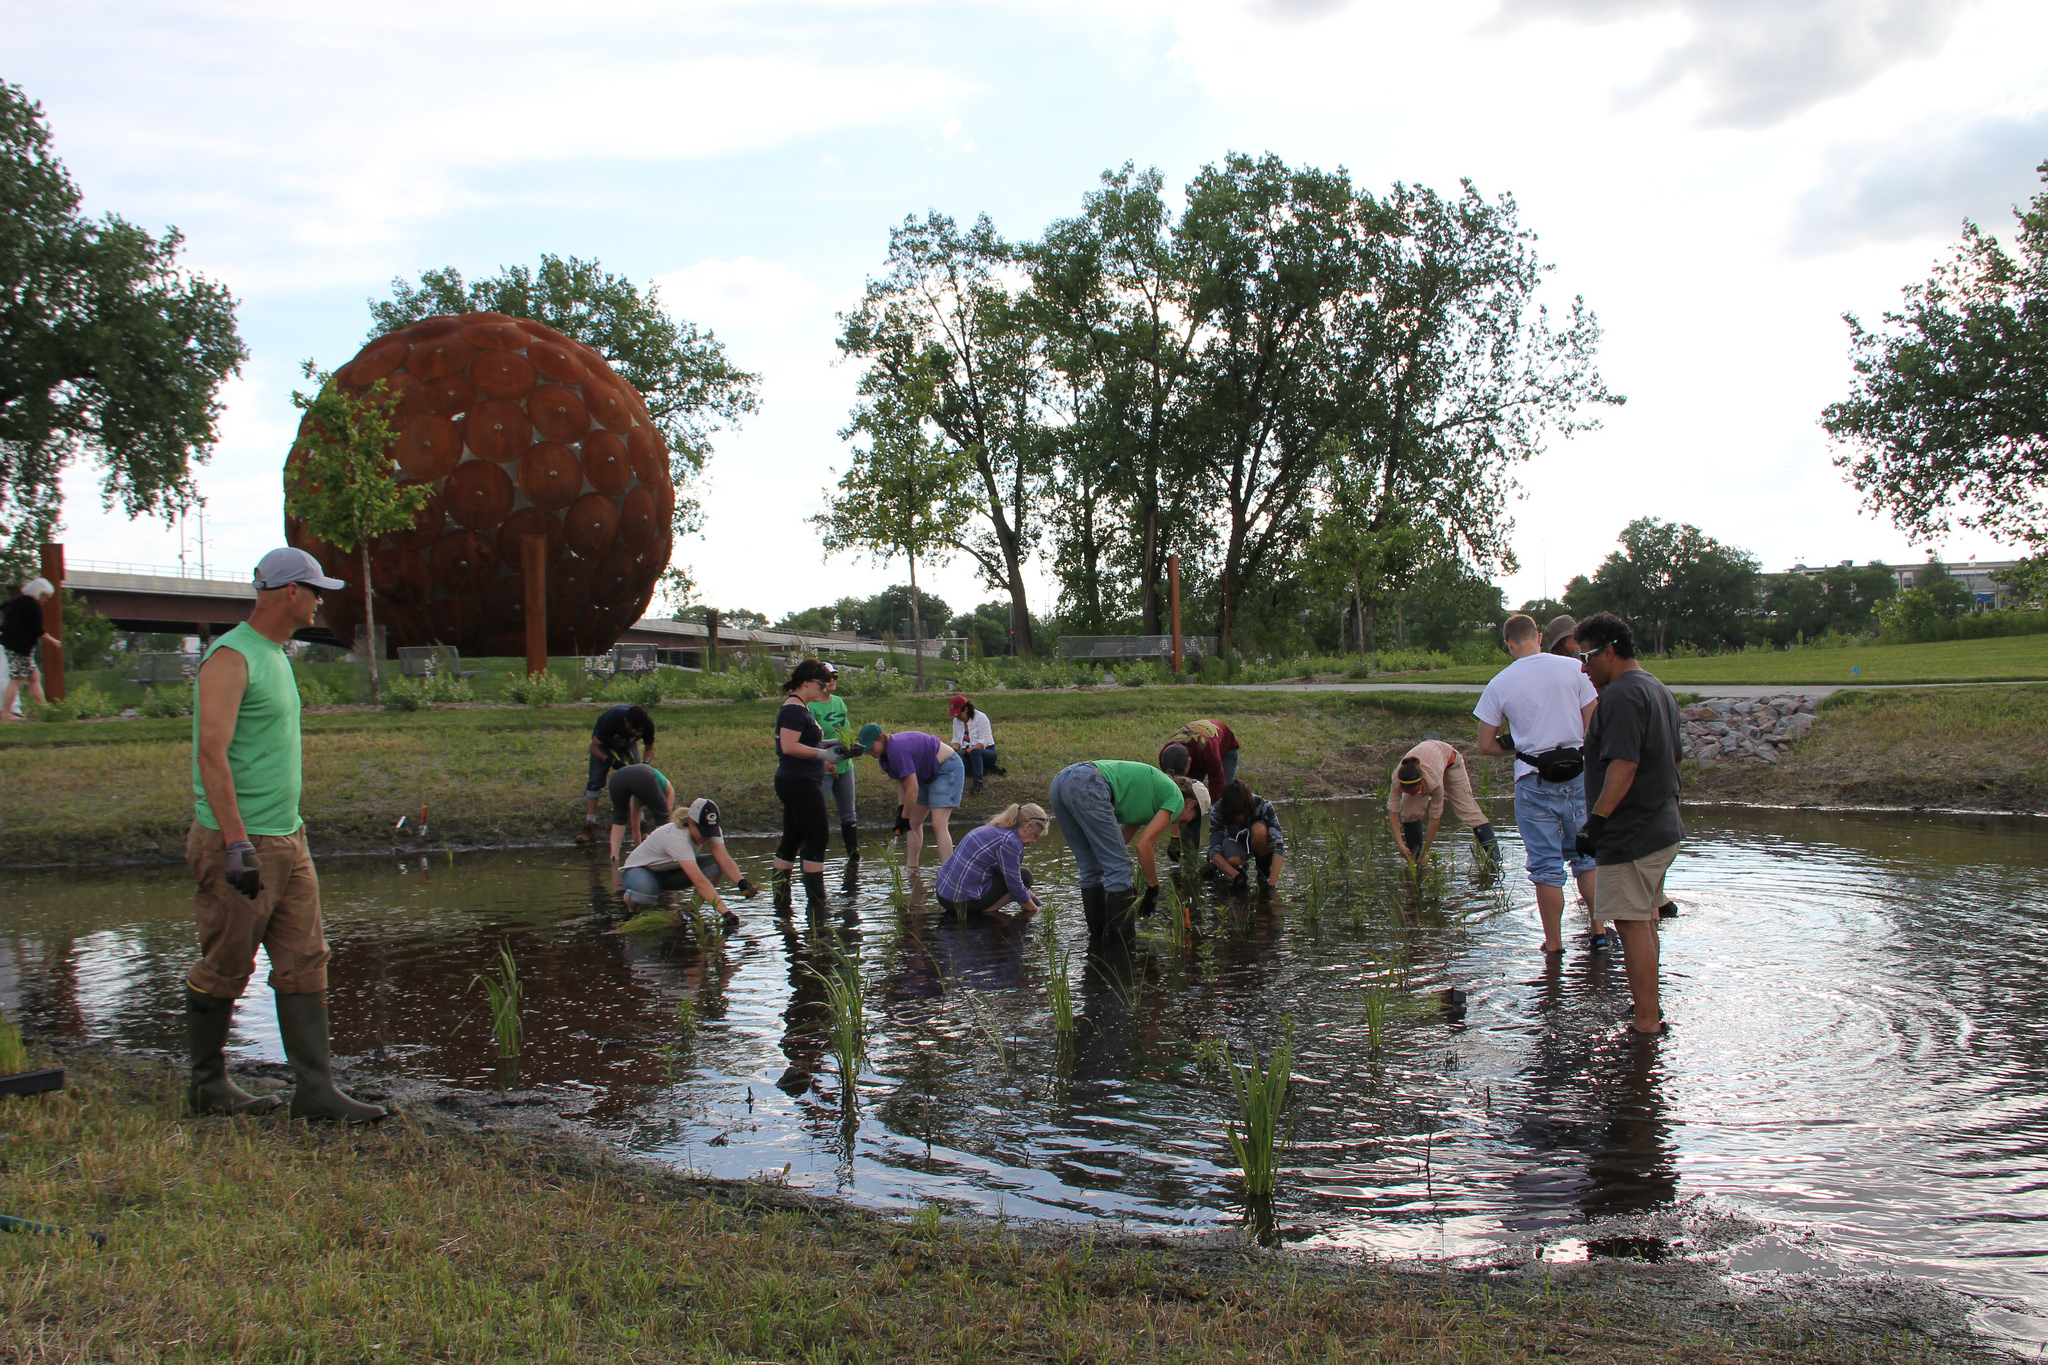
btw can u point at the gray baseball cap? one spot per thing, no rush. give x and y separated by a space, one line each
286 565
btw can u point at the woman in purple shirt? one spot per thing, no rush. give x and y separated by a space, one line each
986 872
929 778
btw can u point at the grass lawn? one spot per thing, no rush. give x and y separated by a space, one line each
104 791
264 1240
2009 659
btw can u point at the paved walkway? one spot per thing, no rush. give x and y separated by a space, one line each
1734 690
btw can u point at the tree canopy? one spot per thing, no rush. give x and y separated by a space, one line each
1947 420
107 347
1675 583
692 390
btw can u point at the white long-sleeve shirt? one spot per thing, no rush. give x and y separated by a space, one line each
968 733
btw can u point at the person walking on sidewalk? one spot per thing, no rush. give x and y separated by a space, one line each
838 784
1104 805
1633 829
21 630
1535 710
247 852
1428 776
974 740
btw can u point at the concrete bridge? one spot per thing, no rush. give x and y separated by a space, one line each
169 601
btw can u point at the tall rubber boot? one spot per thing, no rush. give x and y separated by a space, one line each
1411 834
850 832
1488 844
207 1020
1092 902
1119 925
302 1022
814 890
1265 865
778 886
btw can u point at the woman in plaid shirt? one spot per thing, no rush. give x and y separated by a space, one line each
986 871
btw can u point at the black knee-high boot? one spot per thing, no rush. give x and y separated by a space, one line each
850 831
1092 902
814 890
778 886
1488 844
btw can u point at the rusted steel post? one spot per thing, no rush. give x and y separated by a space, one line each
533 560
53 623
710 659
1173 603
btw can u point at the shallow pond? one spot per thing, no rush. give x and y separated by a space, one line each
1857 1079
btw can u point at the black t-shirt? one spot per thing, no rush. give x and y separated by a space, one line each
794 715
613 733
1636 722
21 623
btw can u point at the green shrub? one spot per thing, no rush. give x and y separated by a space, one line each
539 689
83 702
164 700
976 675
633 689
410 694
312 692
1136 675
872 682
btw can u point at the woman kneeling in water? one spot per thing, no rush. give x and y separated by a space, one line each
987 868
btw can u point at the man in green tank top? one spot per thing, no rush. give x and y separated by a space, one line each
247 851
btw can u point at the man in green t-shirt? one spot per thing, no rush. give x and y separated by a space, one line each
1101 807
247 850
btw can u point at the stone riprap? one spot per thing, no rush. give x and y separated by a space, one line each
1743 730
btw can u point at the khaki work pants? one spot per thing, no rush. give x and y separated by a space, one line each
283 919
1457 795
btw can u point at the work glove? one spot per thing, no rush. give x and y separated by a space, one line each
745 887
1151 901
832 751
902 822
1240 883
243 874
1589 835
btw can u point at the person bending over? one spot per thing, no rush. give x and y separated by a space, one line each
1428 776
1246 828
638 792
622 735
930 779
686 854
987 872
1104 805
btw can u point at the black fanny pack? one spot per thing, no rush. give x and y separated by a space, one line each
1556 765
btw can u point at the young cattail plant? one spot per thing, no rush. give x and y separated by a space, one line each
1058 989
846 1014
13 1053
1261 1095
505 994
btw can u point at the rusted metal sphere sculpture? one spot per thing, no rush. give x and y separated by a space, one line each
516 431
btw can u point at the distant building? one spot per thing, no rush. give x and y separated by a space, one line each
1980 576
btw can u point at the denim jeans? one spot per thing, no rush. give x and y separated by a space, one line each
979 760
644 885
838 789
1081 801
1549 815
948 783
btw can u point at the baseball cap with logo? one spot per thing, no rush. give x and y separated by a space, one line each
285 566
704 814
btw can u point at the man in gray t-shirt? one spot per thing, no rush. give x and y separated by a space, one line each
1632 827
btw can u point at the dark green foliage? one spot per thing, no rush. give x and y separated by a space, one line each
1841 600
1948 418
88 636
988 627
107 347
691 389
1675 584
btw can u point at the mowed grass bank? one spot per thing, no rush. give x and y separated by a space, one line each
1963 748
2016 658
258 1240
88 792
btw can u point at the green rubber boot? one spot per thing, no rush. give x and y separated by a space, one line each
302 1020
207 1020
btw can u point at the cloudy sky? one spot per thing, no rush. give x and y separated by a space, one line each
1720 179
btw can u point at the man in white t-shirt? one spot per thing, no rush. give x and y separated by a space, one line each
1536 709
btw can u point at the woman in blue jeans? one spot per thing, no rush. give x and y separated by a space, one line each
1101 807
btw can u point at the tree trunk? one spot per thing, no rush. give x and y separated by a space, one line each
1370 629
1400 627
1358 610
1223 636
369 622
916 624
1148 574
1020 613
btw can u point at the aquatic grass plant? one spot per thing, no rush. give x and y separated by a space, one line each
505 995
1261 1093
13 1052
846 1017
1059 991
1376 998
679 1042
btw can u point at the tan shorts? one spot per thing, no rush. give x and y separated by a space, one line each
1457 795
283 919
1632 890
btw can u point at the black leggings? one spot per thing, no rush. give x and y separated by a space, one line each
805 826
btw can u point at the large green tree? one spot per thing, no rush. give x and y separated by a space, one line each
691 388
944 314
1947 420
1675 584
108 348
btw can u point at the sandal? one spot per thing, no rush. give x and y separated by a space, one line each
1629 1029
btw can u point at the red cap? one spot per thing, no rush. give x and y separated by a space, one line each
958 705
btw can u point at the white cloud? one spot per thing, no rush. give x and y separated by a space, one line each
746 294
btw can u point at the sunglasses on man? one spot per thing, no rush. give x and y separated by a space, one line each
1584 654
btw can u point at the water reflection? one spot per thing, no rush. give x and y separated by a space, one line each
1856 1004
